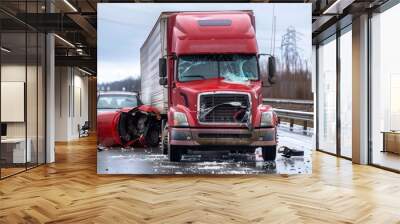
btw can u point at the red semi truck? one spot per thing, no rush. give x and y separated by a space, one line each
203 72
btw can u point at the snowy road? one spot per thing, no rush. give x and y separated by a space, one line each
152 161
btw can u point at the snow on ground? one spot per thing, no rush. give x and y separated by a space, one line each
152 161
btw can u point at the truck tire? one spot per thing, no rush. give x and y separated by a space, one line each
164 140
153 136
269 153
175 153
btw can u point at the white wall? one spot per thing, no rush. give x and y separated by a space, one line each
71 102
80 110
61 103
13 73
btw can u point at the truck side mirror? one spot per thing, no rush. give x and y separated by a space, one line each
267 67
271 69
162 67
163 81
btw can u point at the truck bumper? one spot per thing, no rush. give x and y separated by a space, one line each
223 137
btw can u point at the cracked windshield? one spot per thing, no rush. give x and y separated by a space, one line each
235 68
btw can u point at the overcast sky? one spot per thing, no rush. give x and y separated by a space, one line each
123 27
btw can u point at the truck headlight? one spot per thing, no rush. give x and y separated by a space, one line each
267 119
180 119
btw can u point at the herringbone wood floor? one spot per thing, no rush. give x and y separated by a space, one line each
70 191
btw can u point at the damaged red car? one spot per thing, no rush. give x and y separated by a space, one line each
129 127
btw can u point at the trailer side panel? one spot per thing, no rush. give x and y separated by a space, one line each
152 93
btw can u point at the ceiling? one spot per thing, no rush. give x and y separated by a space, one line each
75 21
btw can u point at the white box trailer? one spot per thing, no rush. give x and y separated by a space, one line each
154 48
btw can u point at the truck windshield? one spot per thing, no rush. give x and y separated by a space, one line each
233 67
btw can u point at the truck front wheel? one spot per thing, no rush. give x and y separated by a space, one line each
269 153
175 153
165 140
153 136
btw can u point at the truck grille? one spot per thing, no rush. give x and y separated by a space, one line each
224 112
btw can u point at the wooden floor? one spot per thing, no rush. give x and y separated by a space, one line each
70 191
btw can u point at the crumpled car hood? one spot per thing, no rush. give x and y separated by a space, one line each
129 126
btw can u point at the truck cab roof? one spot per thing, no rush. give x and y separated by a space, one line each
213 32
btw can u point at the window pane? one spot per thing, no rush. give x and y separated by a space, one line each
31 96
23 84
327 97
13 86
346 94
41 98
385 84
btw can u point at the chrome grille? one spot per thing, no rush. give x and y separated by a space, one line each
224 112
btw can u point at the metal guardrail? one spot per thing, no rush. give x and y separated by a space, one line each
293 115
289 101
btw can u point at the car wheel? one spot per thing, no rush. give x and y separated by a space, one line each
174 153
269 153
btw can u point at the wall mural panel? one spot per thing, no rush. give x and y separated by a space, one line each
181 88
